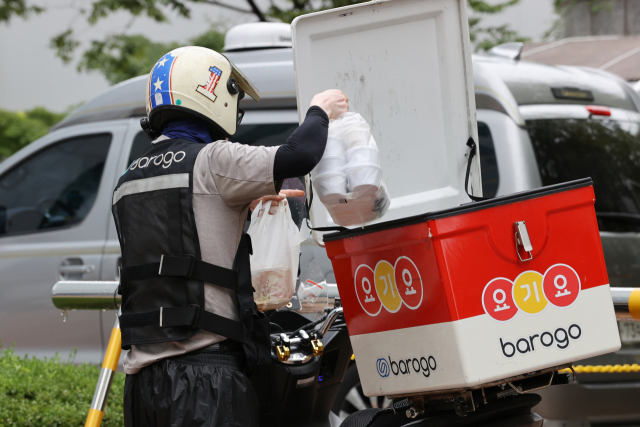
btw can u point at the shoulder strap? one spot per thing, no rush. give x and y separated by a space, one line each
184 266
471 144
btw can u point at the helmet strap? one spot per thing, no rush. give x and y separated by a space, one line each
146 127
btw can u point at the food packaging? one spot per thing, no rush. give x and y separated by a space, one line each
348 178
363 176
330 184
363 154
330 164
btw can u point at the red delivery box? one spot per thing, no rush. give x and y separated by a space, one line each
478 293
447 294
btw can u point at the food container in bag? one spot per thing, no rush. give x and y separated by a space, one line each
356 137
275 240
330 183
272 288
363 174
359 207
363 154
330 164
334 147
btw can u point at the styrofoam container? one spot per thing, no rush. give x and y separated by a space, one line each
366 204
363 174
335 147
356 137
330 183
330 164
363 154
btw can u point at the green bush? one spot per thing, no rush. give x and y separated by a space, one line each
51 392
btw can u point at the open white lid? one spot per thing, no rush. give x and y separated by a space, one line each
406 67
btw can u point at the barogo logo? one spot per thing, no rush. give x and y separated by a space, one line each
388 286
423 365
382 367
531 292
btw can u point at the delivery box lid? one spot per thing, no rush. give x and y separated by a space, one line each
406 67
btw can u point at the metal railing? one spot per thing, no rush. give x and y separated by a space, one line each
626 302
86 295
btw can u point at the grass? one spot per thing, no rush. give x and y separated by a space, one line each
51 392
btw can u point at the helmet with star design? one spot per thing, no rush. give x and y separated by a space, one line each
197 82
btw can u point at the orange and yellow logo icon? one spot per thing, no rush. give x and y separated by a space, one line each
388 286
531 292
528 294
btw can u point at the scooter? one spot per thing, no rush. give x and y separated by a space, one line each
309 362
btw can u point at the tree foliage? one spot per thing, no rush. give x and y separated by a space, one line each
122 56
561 6
17 129
300 7
487 37
17 8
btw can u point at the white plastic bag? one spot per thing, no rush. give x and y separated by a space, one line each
348 178
276 249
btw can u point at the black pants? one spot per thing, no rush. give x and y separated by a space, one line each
202 389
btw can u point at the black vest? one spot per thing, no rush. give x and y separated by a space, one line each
162 276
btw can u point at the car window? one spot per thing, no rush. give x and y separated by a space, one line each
607 151
141 144
488 162
54 188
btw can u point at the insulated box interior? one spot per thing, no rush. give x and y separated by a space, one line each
486 291
406 67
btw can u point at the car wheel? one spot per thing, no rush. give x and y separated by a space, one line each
350 397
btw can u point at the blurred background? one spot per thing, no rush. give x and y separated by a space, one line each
56 54
556 84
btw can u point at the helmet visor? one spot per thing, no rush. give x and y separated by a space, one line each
243 82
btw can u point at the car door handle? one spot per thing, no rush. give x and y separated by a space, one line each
77 269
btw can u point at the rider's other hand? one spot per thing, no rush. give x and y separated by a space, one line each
333 101
280 197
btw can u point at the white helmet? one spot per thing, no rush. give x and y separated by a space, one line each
196 81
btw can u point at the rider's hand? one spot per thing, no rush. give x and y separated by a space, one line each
280 197
333 101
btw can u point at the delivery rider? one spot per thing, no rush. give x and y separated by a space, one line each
188 315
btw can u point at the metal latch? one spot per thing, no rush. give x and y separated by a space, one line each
522 240
316 347
283 353
283 347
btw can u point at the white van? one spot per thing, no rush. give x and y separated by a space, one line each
536 127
